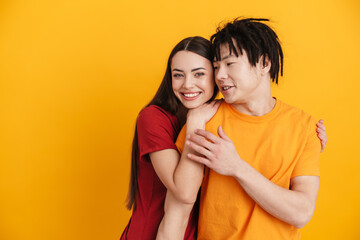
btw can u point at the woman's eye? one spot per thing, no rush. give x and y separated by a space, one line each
199 74
229 63
216 67
176 75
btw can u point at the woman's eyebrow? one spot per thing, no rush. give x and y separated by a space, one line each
200 68
193 70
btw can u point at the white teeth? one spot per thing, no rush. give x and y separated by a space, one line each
191 94
226 88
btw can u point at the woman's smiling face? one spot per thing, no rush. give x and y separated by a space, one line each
192 78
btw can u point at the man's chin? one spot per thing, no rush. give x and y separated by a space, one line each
228 100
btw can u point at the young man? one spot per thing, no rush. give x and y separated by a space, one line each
262 155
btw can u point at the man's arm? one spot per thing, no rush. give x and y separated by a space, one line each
294 206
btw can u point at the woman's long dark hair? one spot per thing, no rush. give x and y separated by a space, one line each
166 99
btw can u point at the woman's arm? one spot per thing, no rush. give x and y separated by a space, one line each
186 180
178 202
166 164
189 174
174 223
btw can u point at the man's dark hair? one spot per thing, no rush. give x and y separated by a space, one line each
253 36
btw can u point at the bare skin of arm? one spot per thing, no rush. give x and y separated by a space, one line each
181 178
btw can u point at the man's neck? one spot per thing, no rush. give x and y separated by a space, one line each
256 106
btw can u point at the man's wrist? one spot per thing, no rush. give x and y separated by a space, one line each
240 170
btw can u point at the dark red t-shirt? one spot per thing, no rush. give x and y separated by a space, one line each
157 130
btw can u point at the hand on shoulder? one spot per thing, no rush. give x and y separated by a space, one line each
204 112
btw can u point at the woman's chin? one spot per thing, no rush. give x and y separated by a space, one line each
192 105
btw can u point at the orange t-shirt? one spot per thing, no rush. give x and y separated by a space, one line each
280 145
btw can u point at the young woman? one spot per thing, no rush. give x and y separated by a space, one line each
188 84
154 154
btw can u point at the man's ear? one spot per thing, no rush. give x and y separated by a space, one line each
264 65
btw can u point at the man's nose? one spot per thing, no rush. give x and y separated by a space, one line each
220 73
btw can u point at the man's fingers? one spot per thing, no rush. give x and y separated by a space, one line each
323 145
200 141
198 159
207 135
198 148
222 134
322 136
321 127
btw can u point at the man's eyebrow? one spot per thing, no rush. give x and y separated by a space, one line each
227 56
224 58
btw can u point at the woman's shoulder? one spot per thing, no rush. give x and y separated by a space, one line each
155 111
156 115
156 128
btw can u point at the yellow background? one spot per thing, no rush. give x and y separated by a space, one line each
75 73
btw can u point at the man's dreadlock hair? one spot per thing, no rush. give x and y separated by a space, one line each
253 36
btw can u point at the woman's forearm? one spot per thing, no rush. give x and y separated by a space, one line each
175 220
189 174
187 179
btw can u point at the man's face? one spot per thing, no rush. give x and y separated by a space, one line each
236 78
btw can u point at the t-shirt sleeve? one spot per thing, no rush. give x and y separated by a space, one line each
181 139
155 131
309 161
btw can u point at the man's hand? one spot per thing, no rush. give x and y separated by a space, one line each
321 131
217 153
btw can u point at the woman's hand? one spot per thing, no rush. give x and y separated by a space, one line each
205 112
321 130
